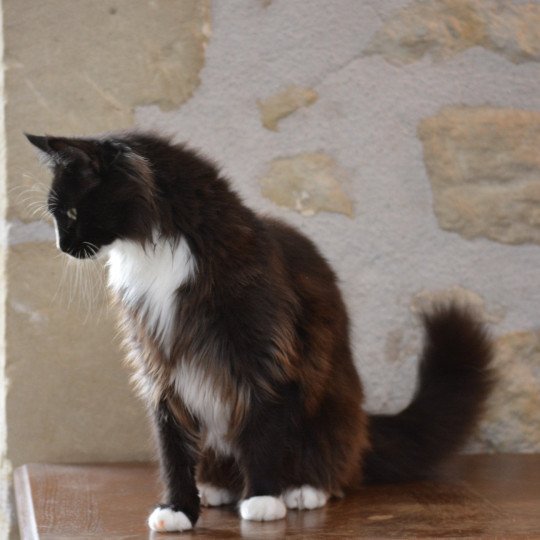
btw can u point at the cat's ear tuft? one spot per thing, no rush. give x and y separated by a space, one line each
46 154
39 142
62 150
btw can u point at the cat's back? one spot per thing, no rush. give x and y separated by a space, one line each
310 275
301 255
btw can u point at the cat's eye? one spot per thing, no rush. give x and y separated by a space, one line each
72 213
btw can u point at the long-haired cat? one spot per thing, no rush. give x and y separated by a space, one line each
239 338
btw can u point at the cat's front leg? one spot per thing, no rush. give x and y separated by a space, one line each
177 462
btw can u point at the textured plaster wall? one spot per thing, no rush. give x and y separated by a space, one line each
401 136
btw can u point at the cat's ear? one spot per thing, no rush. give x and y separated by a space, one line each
45 152
39 142
98 155
62 150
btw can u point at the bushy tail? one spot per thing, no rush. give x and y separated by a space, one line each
455 380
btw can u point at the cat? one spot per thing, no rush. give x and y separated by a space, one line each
239 338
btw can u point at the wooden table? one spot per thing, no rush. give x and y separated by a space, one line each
495 496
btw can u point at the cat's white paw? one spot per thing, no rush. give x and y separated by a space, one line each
263 508
214 496
304 498
166 519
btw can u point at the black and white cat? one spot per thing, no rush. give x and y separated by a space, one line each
239 338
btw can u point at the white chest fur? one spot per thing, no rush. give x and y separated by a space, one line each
148 278
203 397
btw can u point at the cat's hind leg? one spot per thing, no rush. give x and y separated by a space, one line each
304 497
270 430
215 496
218 479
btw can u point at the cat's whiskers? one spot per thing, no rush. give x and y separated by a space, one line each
73 269
88 289
30 200
62 279
93 283
35 199
85 284
76 284
25 188
23 193
41 211
82 284
92 248
53 195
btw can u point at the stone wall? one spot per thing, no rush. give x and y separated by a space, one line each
401 136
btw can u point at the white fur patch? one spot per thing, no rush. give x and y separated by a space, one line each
214 496
149 278
263 508
304 498
56 234
165 519
201 396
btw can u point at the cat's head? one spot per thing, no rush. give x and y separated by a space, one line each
101 191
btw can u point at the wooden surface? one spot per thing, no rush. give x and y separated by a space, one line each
480 496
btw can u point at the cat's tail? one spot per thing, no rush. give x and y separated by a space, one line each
454 381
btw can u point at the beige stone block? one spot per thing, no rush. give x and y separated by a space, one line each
402 343
284 103
512 419
484 167
307 183
85 71
443 28
68 397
